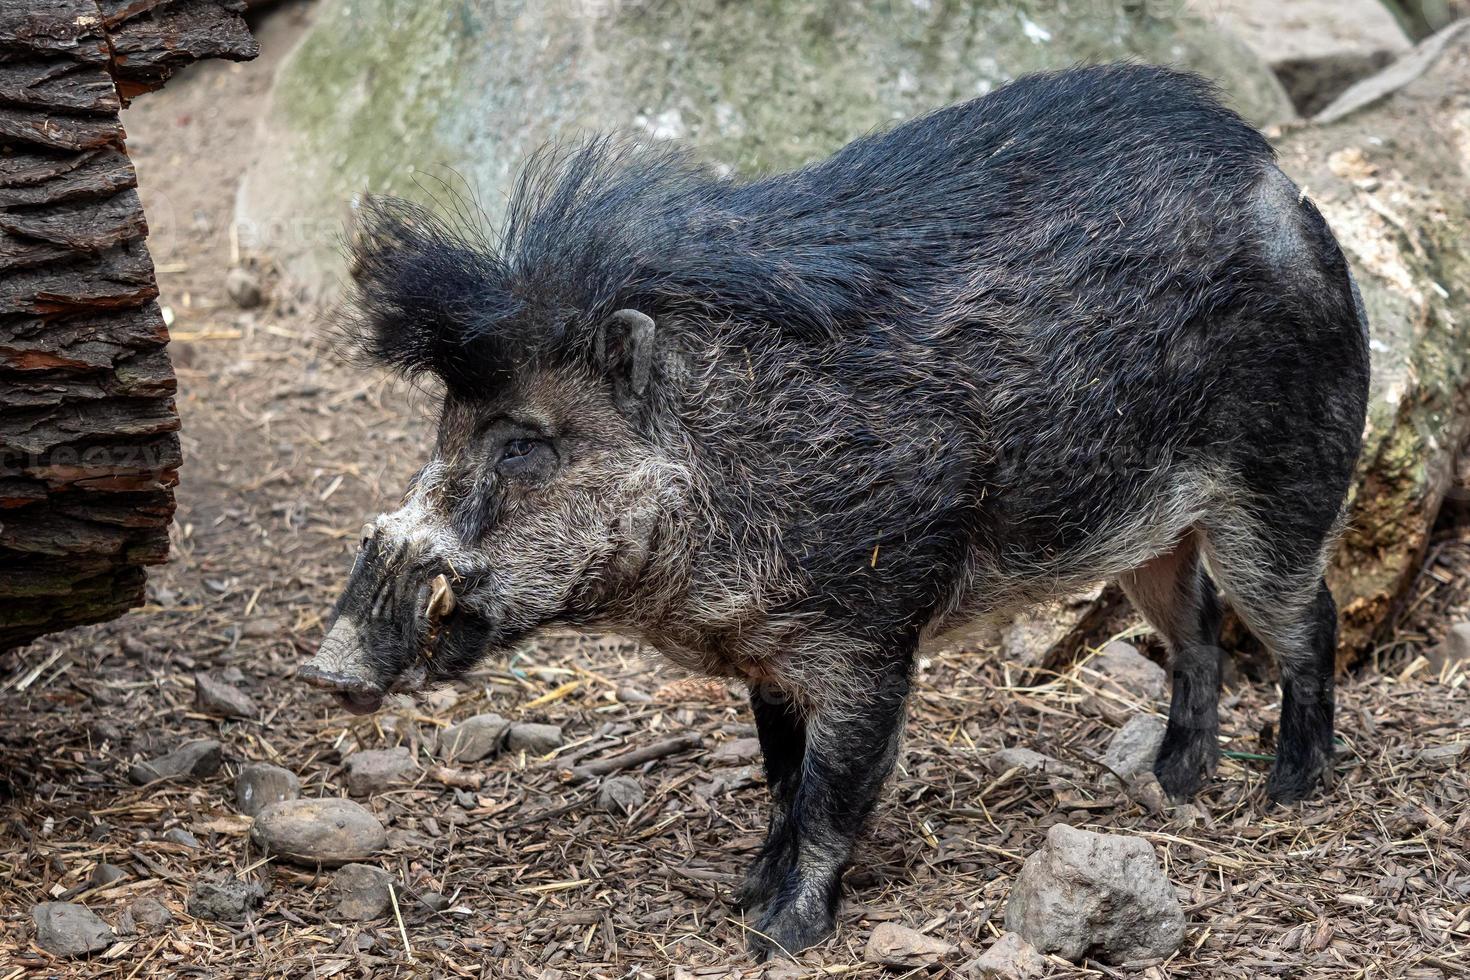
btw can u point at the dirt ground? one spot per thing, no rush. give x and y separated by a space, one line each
288 452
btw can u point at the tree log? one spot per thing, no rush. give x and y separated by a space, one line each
88 448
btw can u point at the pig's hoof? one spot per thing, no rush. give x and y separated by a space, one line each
1184 763
788 929
1293 782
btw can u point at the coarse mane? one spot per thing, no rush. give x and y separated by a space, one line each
892 229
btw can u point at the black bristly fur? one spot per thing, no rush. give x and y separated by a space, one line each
1080 328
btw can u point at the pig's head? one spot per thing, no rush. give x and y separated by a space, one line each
547 489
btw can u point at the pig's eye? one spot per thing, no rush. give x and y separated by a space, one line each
527 457
517 448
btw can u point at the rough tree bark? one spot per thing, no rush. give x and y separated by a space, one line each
88 447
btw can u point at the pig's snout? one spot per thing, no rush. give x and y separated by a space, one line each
345 663
341 666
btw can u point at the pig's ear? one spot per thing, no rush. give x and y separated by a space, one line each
625 349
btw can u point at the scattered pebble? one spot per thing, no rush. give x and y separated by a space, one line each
474 738
375 770
1010 958
737 751
224 899
178 835
433 901
66 929
1144 789
361 891
534 739
1133 748
632 695
1098 895
260 784
1454 650
327 831
243 287
149 913
620 795
106 874
1027 760
894 945
724 780
215 697
1443 756
196 759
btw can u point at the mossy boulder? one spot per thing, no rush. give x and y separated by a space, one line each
444 100
1393 180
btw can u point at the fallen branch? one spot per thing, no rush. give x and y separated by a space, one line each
632 758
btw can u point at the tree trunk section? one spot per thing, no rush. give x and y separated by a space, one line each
89 451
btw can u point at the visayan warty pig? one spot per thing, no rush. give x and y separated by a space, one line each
788 429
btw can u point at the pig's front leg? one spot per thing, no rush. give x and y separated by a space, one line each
850 749
782 733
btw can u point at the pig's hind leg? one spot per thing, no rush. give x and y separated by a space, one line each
782 733
851 745
1174 593
1280 595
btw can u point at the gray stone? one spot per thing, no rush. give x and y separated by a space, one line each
149 913
1145 789
894 945
736 752
534 739
1316 47
260 784
433 901
178 835
1010 958
323 831
215 697
1134 747
620 795
1124 670
65 929
223 899
474 738
1019 757
106 874
375 770
195 760
1443 756
379 87
243 287
361 892
1454 650
1097 895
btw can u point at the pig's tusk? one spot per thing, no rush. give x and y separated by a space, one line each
441 599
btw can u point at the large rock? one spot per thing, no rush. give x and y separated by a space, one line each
323 831
1097 895
1316 47
467 89
1392 176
